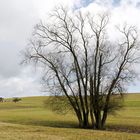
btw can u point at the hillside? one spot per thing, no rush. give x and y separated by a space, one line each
34 121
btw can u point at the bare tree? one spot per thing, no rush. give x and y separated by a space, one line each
82 64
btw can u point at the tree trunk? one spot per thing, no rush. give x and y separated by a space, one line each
86 120
98 120
104 118
79 117
83 121
92 119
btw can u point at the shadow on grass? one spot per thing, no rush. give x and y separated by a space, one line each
56 124
59 124
68 124
124 128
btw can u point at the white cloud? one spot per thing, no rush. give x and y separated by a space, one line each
25 84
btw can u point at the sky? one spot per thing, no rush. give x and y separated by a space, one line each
17 19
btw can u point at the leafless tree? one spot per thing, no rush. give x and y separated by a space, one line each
82 64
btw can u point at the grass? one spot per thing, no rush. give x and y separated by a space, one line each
128 119
23 132
29 119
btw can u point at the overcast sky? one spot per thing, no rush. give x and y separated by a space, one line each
17 19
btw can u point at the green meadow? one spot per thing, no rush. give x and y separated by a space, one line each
29 119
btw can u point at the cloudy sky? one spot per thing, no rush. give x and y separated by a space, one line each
17 19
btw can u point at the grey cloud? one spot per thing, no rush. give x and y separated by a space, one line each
17 18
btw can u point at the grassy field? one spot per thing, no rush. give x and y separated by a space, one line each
30 120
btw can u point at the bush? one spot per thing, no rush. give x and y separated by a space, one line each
16 99
1 99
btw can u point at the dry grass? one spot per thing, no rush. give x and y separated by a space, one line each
27 132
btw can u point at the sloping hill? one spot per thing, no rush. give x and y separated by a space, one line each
34 121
